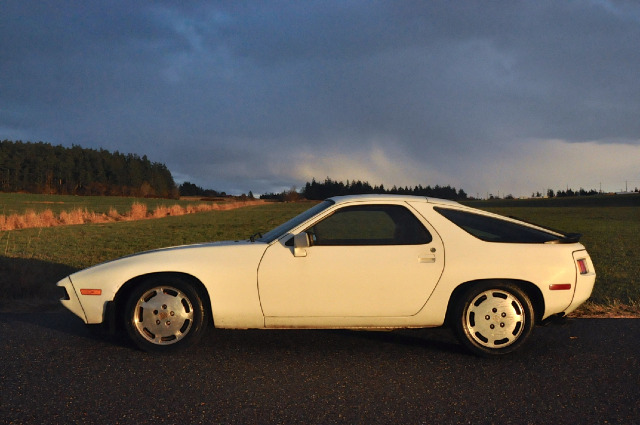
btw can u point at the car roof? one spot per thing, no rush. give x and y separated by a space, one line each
386 197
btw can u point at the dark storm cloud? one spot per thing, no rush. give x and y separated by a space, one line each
257 95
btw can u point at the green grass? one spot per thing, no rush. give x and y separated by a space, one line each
32 260
19 203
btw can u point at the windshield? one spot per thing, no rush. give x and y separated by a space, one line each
295 221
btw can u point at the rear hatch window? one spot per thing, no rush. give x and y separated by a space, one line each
492 229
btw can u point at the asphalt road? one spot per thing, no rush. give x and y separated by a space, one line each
54 371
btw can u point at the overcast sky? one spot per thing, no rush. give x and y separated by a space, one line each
492 97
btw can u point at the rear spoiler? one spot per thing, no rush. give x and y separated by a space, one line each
566 237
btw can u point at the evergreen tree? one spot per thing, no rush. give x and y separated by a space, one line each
43 168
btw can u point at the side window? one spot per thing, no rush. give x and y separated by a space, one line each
370 225
492 229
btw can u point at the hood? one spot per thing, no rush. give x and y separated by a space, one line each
192 246
177 249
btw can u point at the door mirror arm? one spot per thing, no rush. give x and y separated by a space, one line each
301 242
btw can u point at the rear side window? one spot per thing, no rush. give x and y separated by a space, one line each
491 229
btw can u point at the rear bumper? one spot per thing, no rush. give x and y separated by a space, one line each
584 281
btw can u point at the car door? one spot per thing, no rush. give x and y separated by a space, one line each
369 260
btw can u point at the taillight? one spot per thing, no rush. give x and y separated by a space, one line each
582 266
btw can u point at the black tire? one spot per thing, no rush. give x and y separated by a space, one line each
165 313
493 318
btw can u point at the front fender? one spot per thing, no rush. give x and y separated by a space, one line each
227 271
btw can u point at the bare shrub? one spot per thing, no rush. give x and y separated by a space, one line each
65 218
160 211
93 217
30 219
204 207
176 210
15 221
6 222
47 219
138 211
237 204
113 214
79 215
76 216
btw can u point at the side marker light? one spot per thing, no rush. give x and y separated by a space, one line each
91 291
559 286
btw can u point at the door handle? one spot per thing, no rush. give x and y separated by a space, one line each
427 259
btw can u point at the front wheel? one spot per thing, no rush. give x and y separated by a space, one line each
165 313
493 318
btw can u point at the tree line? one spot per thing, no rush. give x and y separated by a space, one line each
315 190
191 189
47 169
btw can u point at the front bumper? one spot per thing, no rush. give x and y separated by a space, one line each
71 300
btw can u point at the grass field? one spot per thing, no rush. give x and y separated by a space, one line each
19 203
32 260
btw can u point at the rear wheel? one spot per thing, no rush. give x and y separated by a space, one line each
165 313
493 318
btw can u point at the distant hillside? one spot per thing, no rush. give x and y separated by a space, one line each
44 168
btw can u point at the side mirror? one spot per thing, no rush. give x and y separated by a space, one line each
301 242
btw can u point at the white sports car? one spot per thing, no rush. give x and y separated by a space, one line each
357 262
